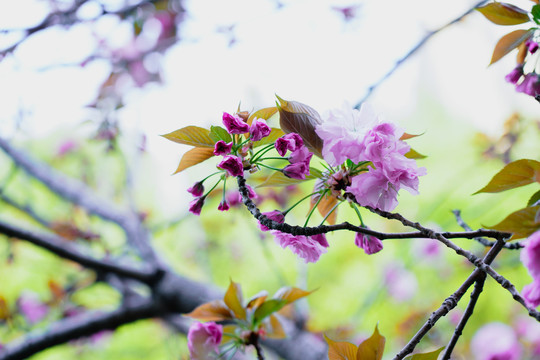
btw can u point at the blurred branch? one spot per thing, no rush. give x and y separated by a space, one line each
412 51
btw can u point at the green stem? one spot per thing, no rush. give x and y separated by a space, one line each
269 167
213 187
358 213
271 158
261 152
298 202
315 206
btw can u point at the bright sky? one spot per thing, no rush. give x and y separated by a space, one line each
303 51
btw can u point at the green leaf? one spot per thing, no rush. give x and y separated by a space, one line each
191 135
534 198
211 311
270 139
504 14
509 42
413 154
372 348
194 157
265 114
426 356
535 11
233 299
340 350
267 308
521 223
515 174
218 133
291 294
301 119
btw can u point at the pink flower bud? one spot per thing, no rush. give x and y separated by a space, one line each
203 340
296 171
259 129
232 165
195 206
235 124
370 244
197 189
222 148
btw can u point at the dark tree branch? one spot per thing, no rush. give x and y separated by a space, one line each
412 51
65 249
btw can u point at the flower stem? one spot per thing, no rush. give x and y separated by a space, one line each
315 206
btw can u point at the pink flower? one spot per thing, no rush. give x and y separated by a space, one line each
496 341
401 284
373 189
370 244
531 293
32 308
275 215
203 340
223 206
343 132
233 198
222 148
259 129
321 239
305 247
532 46
232 165
235 124
197 189
530 85
530 255
67 147
251 193
383 142
291 141
296 171
302 154
514 75
195 206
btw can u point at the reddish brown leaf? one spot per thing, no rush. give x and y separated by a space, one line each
509 42
406 136
341 350
191 135
504 14
301 119
326 204
433 355
521 223
194 157
372 348
273 327
291 294
211 311
233 299
515 174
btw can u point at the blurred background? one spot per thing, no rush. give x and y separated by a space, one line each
89 87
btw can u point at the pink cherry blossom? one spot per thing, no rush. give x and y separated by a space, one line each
275 215
223 206
514 76
496 341
531 293
372 188
235 124
382 142
232 165
195 206
530 255
197 189
203 340
291 141
370 244
32 308
259 129
302 154
222 148
296 171
305 247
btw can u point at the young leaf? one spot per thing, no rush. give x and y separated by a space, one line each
372 348
4 309
291 294
504 14
326 204
278 179
274 135
535 198
274 329
509 42
406 136
515 174
211 311
218 133
267 308
433 355
521 223
341 350
193 157
265 114
233 299
301 119
257 300
535 11
413 154
191 135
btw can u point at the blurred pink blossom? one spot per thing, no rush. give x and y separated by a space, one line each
400 283
33 309
530 255
370 244
496 341
203 340
306 247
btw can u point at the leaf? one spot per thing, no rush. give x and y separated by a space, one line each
233 299
515 174
193 157
413 154
326 204
341 350
521 223
433 355
274 135
509 42
291 294
191 135
4 309
534 198
274 329
265 114
267 308
301 119
504 14
535 11
372 348
218 133
211 311
406 136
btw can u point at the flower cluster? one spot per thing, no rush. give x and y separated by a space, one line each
527 83
530 256
361 137
299 158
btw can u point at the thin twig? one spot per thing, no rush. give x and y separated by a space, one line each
412 51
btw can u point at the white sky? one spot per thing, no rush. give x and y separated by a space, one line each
303 51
